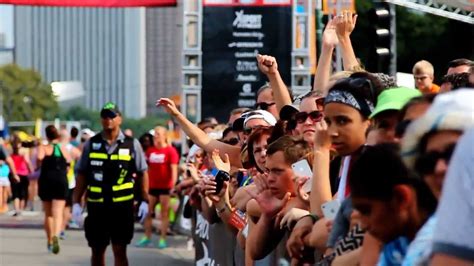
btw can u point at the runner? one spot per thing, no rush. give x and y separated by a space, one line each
163 161
53 188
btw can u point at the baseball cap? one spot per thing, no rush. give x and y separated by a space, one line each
109 110
288 111
450 111
394 99
261 114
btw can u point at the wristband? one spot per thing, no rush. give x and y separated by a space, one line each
313 217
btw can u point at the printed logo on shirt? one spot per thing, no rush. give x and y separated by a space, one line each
96 146
96 163
124 152
157 158
98 177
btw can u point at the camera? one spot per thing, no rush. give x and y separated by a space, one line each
220 177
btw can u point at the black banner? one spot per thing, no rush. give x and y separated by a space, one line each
232 37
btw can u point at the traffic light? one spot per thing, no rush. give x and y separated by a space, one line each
381 50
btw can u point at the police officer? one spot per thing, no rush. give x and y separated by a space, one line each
109 162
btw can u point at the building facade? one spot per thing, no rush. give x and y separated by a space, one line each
103 48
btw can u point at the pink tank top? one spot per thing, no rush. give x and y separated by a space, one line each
20 165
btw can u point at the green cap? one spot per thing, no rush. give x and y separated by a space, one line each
394 99
109 110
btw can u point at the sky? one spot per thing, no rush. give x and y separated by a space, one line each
6 23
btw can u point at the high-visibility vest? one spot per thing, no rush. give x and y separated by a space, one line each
110 176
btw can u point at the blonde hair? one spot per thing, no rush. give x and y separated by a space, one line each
423 67
157 128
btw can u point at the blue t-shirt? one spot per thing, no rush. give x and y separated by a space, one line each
420 248
4 171
393 253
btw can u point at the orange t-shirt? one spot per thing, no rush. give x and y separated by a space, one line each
434 89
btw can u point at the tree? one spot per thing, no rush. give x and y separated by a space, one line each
91 119
25 95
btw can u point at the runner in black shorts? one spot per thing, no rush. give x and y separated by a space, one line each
162 161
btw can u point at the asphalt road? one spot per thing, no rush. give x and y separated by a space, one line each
23 242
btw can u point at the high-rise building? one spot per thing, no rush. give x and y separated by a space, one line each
104 48
163 53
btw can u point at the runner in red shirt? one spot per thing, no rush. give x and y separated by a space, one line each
162 161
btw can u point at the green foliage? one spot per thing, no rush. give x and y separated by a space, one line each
91 119
25 95
419 36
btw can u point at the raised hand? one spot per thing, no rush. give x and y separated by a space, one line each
193 172
345 23
267 64
329 35
269 204
300 191
322 139
169 105
221 165
210 189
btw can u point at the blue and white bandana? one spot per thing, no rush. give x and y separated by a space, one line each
339 96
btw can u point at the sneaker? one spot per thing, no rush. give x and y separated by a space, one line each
162 244
73 225
55 246
143 242
50 247
62 235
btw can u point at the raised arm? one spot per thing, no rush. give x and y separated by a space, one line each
198 136
321 189
345 24
268 65
323 70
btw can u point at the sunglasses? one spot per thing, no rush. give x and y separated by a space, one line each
263 105
426 163
315 116
247 131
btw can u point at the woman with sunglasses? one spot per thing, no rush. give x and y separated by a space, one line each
310 113
427 148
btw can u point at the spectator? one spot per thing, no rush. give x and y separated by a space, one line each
423 72
454 245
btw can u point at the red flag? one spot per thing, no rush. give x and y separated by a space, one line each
91 3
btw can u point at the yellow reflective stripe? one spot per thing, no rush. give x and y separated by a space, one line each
124 198
123 186
95 200
120 180
98 155
120 157
95 189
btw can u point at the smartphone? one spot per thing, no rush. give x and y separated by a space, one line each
220 177
330 209
302 169
240 177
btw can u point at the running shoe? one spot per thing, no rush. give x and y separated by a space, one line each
73 225
143 242
50 247
162 244
62 235
55 247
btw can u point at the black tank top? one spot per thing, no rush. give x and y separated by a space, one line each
54 165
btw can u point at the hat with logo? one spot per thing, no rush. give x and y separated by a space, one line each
109 110
261 114
239 123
